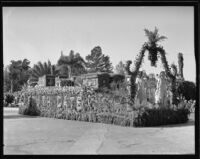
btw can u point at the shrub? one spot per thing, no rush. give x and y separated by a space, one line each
187 90
9 98
161 116
30 109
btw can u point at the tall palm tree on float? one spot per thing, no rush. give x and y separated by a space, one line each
154 49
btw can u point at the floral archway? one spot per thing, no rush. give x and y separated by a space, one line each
152 47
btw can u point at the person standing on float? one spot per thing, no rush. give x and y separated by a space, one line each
141 88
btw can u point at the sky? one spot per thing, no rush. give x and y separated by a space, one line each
41 33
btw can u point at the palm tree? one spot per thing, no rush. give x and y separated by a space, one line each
18 72
25 64
153 39
71 64
41 69
120 68
14 70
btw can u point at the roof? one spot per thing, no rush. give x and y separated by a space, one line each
99 73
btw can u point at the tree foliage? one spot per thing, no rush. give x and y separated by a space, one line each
187 89
98 62
41 69
16 75
120 68
6 80
153 39
73 64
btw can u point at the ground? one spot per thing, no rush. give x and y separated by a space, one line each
38 135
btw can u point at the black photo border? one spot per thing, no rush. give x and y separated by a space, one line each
91 3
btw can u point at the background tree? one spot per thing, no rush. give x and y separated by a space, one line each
6 80
41 69
187 89
98 62
18 74
14 73
25 72
73 64
120 68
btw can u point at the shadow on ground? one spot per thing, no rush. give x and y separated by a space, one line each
189 123
19 116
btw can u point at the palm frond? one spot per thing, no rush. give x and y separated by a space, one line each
45 67
161 38
37 68
153 36
41 67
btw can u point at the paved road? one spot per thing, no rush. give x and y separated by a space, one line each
36 135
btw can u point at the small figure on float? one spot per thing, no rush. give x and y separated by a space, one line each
141 82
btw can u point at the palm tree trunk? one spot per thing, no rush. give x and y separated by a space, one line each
69 71
11 86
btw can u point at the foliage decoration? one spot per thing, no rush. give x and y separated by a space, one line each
180 64
174 69
110 108
133 74
154 49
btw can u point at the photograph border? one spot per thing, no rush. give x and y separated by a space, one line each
195 4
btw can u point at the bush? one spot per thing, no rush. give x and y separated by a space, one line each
187 90
161 116
30 109
9 98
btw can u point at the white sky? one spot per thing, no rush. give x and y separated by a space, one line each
40 33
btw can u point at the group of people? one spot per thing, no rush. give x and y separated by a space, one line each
153 92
